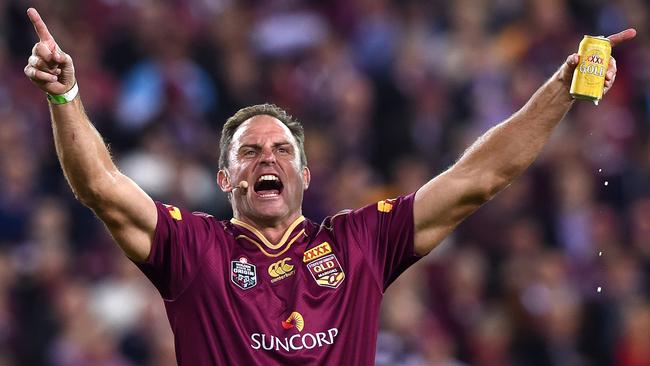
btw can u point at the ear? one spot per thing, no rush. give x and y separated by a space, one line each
306 178
223 181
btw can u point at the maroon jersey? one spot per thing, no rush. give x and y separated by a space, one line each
234 298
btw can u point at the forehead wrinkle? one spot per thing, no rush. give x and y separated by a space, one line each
260 125
242 136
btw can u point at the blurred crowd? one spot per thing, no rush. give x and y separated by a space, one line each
554 271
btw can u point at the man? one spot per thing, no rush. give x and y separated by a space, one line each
270 287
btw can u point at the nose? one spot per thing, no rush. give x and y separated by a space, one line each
268 157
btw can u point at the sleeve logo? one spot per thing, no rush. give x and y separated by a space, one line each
174 212
386 205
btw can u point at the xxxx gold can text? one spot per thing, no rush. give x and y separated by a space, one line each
589 76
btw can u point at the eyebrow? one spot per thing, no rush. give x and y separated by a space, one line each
258 146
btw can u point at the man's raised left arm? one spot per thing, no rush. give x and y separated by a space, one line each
493 161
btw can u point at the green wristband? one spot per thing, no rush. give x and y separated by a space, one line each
65 97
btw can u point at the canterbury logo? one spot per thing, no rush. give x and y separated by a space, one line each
294 320
280 268
317 252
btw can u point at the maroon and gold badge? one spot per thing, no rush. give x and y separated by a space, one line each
327 271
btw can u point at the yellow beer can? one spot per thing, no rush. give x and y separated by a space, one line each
589 76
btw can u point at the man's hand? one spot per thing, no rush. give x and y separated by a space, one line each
48 67
566 71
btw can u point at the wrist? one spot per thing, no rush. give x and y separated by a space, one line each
562 85
64 98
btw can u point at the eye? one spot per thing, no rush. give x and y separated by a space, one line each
249 153
283 150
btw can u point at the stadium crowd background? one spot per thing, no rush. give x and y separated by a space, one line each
391 93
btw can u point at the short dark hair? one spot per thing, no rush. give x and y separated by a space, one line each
247 113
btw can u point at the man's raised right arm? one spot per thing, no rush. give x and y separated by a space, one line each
128 212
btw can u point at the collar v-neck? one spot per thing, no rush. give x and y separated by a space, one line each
261 236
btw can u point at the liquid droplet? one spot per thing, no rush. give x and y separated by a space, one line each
606 183
599 289
600 170
600 254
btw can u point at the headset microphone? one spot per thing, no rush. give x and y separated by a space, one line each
243 185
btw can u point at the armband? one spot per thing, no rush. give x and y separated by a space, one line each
65 97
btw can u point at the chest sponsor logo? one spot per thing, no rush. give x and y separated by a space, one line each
296 342
243 274
317 252
281 270
327 271
295 320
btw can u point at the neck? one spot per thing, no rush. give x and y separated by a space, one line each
272 229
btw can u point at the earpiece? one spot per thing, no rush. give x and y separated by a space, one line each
243 185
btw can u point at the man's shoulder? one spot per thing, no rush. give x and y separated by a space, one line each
339 214
191 218
371 212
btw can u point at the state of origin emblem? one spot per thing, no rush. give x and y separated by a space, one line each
243 274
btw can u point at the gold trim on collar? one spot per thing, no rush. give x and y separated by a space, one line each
267 253
261 236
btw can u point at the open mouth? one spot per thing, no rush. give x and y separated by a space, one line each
268 185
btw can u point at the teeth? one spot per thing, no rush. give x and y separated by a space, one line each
267 177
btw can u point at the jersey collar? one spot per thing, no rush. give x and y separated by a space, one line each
258 237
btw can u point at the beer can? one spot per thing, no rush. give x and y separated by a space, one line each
589 76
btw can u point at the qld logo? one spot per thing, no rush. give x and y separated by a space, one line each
327 271
243 274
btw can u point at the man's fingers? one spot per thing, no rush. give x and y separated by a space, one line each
39 25
566 71
622 36
611 70
51 58
38 75
612 64
38 63
59 56
573 60
42 51
609 83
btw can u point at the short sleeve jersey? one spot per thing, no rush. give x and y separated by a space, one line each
234 298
